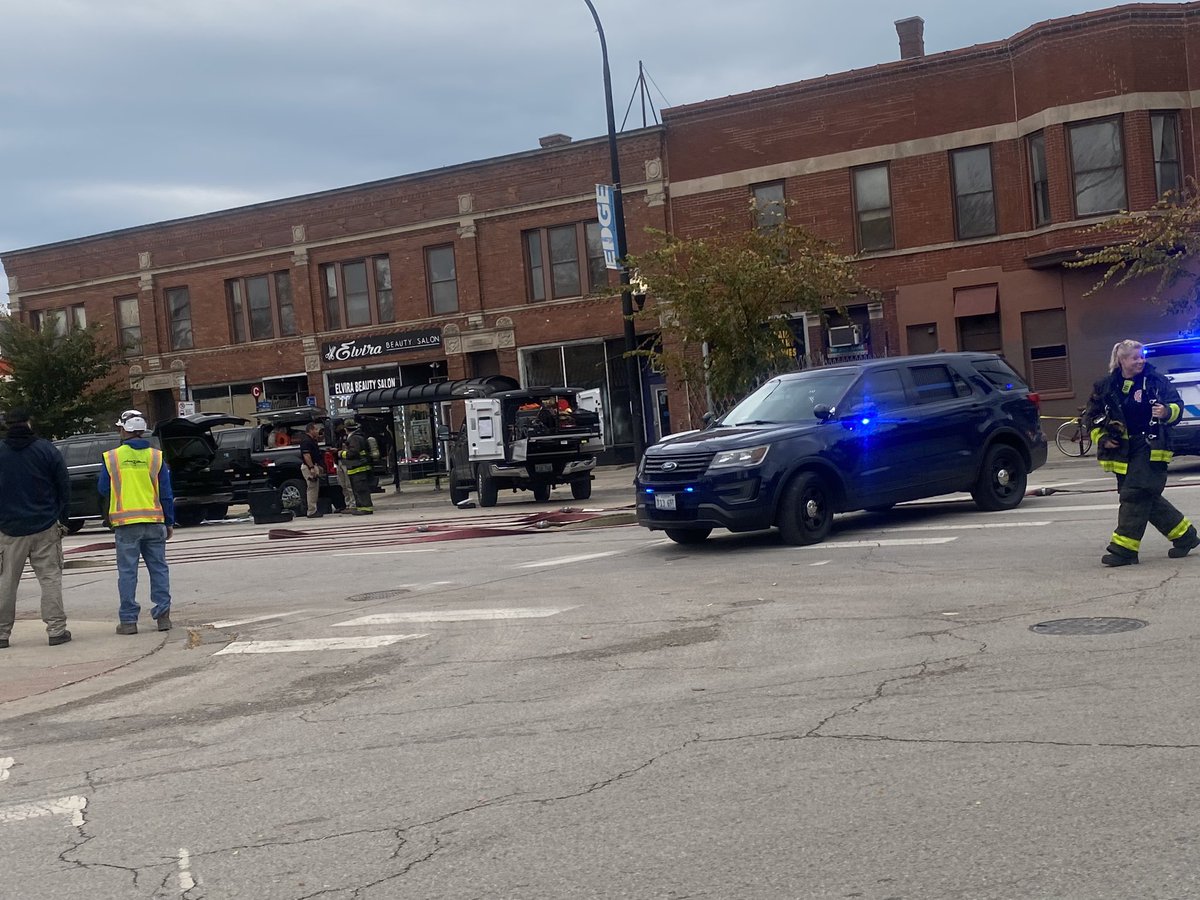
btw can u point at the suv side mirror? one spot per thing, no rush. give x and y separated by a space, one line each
822 412
708 418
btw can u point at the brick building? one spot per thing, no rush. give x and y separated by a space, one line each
962 180
477 269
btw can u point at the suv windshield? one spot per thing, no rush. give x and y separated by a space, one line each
792 398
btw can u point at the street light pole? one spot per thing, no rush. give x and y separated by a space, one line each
632 366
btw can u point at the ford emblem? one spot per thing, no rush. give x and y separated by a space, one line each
668 466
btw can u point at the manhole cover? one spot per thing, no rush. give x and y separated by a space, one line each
1098 625
376 595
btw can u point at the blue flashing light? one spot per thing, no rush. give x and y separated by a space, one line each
689 490
649 490
866 421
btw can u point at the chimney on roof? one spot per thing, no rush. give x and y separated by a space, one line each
912 37
554 140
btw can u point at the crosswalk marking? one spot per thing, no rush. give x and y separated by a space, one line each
455 615
885 542
233 623
300 646
565 560
965 527
72 806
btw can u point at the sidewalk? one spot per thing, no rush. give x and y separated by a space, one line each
612 486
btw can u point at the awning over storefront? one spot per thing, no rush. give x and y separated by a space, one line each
976 301
432 393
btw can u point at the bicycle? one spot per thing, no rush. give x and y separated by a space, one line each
1072 438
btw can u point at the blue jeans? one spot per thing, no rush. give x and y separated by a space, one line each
148 541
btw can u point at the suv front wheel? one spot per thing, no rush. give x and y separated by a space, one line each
806 514
1002 480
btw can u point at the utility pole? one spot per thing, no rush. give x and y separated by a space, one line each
632 366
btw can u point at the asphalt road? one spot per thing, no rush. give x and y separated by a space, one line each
367 713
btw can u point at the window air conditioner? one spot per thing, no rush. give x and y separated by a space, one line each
845 336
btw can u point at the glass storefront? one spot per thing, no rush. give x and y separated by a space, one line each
586 366
281 392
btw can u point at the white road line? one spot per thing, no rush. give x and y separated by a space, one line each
5 764
389 552
63 806
232 623
455 615
823 562
964 527
565 560
186 882
1039 509
300 646
886 542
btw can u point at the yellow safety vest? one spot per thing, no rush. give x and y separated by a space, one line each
134 477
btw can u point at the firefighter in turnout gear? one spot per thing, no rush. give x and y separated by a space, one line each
357 459
1130 414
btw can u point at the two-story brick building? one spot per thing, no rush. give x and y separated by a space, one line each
472 270
962 180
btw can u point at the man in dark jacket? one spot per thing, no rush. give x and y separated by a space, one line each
33 516
1131 413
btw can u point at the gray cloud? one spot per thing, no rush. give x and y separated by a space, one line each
115 113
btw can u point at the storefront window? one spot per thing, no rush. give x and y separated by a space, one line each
587 366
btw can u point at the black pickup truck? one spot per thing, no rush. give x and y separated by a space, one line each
526 440
260 460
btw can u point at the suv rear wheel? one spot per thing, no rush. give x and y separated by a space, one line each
541 493
1002 480
806 514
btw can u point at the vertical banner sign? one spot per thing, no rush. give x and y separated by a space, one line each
606 212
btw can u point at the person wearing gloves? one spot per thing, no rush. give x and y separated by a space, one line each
1131 413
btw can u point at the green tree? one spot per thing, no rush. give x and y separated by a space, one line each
1163 243
65 381
730 292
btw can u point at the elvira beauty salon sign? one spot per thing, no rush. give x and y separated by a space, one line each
382 345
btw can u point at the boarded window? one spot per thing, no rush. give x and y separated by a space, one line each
923 338
1046 360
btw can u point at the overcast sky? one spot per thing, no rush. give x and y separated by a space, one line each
115 113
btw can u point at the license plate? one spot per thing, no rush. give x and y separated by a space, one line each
664 501
544 467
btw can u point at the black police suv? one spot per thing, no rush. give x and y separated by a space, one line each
867 435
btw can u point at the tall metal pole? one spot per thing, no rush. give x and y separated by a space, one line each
632 366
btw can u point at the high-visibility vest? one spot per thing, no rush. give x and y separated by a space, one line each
134 494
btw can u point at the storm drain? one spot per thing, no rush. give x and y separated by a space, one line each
1096 625
376 595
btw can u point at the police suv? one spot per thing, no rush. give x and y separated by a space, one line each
868 435
1179 361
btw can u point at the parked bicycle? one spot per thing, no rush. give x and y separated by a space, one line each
1072 438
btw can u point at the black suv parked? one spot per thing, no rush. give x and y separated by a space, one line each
200 473
864 436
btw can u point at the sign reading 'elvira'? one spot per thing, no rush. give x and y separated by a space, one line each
382 345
